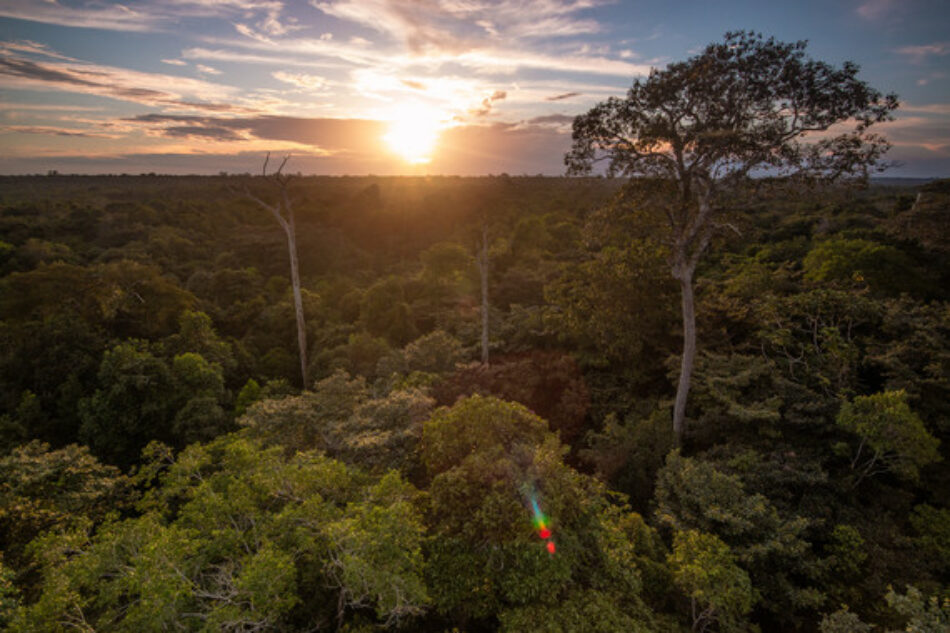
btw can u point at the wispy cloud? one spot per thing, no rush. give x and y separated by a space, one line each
213 7
269 59
874 9
934 76
500 147
940 109
301 80
207 70
455 28
193 131
327 135
113 17
485 108
415 85
52 131
175 62
921 52
552 119
10 106
267 15
561 97
486 58
116 83
458 25
919 131
502 61
32 48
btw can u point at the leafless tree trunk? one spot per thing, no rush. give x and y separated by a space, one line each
283 212
691 237
483 263
689 354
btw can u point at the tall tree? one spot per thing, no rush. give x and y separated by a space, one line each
701 129
283 212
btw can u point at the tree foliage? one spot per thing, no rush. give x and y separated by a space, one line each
695 131
231 538
487 459
893 438
720 592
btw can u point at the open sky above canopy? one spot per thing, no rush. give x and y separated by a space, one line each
403 86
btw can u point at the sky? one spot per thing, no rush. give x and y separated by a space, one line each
412 87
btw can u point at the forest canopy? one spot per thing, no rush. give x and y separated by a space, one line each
162 465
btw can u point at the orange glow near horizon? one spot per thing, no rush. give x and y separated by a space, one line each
414 132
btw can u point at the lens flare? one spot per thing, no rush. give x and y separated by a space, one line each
540 522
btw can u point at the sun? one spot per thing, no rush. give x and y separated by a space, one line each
413 132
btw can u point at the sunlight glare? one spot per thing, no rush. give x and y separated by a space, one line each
413 132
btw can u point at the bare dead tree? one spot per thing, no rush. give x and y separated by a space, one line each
283 212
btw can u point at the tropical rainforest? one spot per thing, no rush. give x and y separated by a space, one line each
163 467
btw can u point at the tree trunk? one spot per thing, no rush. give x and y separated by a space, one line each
483 270
685 277
283 212
298 301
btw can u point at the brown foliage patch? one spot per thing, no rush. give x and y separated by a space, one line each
549 383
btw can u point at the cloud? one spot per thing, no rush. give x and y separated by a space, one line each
116 83
10 106
276 59
920 53
208 70
293 50
874 9
189 131
919 129
353 149
175 62
266 12
52 131
941 109
33 48
552 119
561 97
509 61
272 24
149 16
918 132
415 85
31 71
938 75
538 92
434 34
456 25
498 148
114 17
486 105
329 135
413 23
209 144
213 7
301 80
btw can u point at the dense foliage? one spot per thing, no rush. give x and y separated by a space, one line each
162 469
